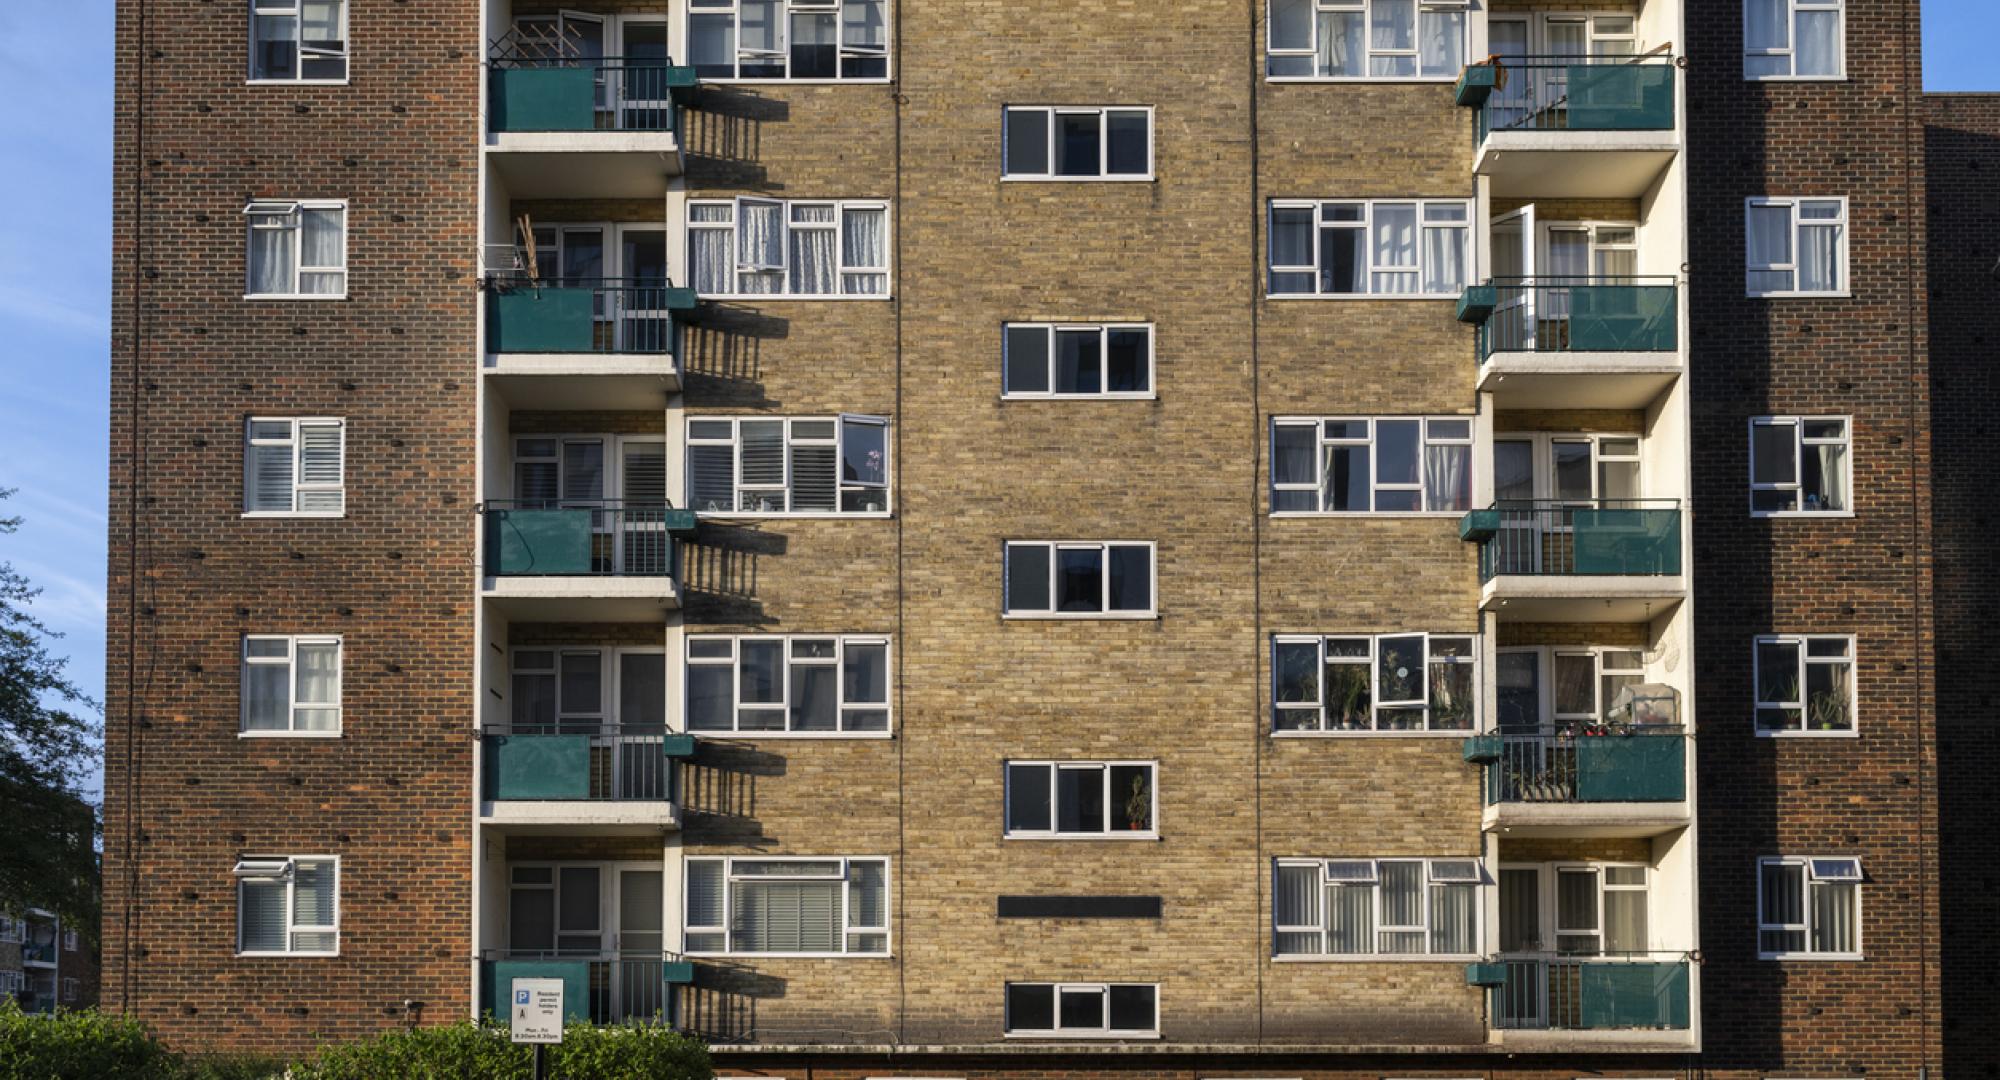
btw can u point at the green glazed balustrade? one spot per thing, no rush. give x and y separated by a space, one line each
575 976
530 767
1593 995
1559 316
1559 94
1607 768
593 95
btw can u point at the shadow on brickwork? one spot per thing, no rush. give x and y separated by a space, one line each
724 136
721 783
1964 176
722 356
719 572
721 1006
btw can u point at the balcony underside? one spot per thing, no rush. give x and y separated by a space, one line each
1575 164
580 817
569 381
1578 380
1627 820
585 164
582 598
1581 598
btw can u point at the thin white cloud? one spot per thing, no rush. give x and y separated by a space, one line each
47 310
67 603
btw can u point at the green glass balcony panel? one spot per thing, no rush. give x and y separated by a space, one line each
551 767
1476 83
1485 974
1621 97
1481 749
1479 526
1616 541
1639 995
1631 768
575 974
543 99
677 746
520 542
677 972
679 522
1623 318
1476 303
542 319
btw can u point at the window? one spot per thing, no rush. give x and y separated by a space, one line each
1793 39
787 906
288 906
1376 907
822 465
298 41
1583 687
1077 143
1064 579
298 251
69 941
1799 465
1060 360
12 982
558 690
1082 798
291 685
12 930
1796 247
1809 908
69 990
1084 1010
1366 39
753 247
1406 465
1370 248
816 40
1359 684
294 467
1805 684
797 685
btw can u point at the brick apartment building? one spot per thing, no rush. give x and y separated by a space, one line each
1223 538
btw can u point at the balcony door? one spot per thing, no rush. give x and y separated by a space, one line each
644 101
644 325
644 545
1512 104
607 915
1511 328
639 768
1517 547
639 990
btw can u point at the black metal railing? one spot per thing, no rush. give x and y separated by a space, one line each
1578 537
568 537
1580 93
1639 991
1596 313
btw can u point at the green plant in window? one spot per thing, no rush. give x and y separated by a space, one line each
1139 805
1347 697
1827 711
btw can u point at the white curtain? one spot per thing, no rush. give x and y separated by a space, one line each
1443 42
1341 48
812 264
319 684
1395 245
1444 260
1454 920
265 697
712 261
760 244
1819 258
1395 28
273 253
1448 477
864 245
321 248
1833 918
1817 51
1832 476
1770 244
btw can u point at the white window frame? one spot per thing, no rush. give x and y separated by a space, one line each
733 9
1809 869
278 208
69 941
299 483
1104 332
292 8
70 989
1792 9
1791 204
838 662
290 662
283 868
735 440
1103 114
1369 52
1433 877
1104 611
1366 225
1375 706
1851 660
849 929
1546 714
1425 440
1054 831
842 269
1060 1032
1799 444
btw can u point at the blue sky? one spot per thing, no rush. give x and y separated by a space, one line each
55 282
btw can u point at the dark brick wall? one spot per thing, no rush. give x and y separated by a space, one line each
1869 575
1962 170
190 359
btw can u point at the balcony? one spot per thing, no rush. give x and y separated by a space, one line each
1573 127
1575 342
558 777
599 561
1605 560
1631 1001
1627 779
624 987
584 344
579 126
39 950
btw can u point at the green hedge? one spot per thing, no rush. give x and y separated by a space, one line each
79 1045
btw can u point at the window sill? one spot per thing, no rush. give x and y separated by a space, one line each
1094 1036
1797 78
295 296
288 735
1361 296
1148 396
1793 957
793 955
1850 734
1366 80
1841 295
1455 733
287 955
802 298
1376 958
319 515
873 81
1800 515
836 736
726 515
1078 616
1121 179
1440 515
1124 837
296 82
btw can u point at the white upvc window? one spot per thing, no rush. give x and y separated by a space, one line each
298 41
801 467
1083 1010
1805 684
1076 142
1381 465
294 467
1370 247
288 905
1078 579
1077 360
1800 466
1794 39
791 40
291 685
1352 908
1570 687
69 991
758 248
1809 908
787 906
69 941
1363 684
1380 40
799 685
13 982
1117 800
1796 247
297 250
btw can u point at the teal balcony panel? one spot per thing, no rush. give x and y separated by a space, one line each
1631 768
538 542
1634 995
575 976
543 99
546 319
1621 97
550 767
